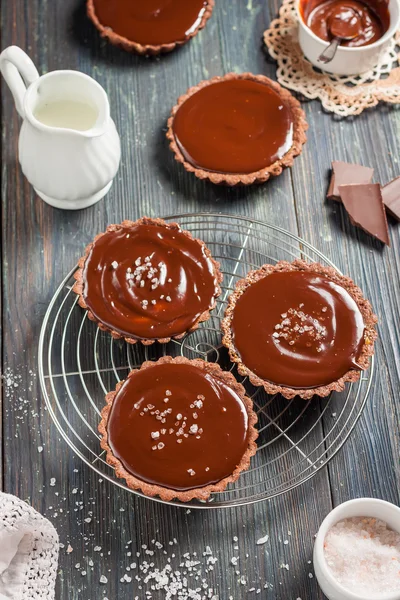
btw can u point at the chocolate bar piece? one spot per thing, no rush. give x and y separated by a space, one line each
345 173
365 207
391 197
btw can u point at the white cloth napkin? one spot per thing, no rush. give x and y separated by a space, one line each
28 552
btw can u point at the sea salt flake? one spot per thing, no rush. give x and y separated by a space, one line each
103 579
262 540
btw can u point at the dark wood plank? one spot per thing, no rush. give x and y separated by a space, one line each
40 245
370 140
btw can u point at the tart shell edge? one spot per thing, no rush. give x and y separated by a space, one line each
261 176
369 318
78 285
144 49
201 493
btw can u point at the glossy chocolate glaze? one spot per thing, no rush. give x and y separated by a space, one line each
176 426
297 329
151 22
236 126
365 23
148 281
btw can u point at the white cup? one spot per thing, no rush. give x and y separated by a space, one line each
347 61
361 507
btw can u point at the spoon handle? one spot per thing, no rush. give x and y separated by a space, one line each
329 53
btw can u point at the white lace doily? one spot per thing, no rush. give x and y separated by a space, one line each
342 95
28 552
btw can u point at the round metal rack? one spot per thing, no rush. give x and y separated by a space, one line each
79 364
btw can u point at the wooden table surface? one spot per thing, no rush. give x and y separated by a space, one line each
41 244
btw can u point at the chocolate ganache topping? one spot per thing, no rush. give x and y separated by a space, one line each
362 22
148 281
154 22
177 426
234 126
297 329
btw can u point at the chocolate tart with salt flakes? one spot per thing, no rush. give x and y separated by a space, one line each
151 27
237 129
178 429
147 281
299 329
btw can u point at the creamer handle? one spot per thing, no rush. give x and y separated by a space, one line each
19 71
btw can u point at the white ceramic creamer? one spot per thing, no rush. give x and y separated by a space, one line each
69 148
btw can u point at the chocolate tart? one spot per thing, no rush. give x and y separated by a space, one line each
299 329
151 27
147 281
237 129
178 428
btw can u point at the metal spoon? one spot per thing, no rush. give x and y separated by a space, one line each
343 25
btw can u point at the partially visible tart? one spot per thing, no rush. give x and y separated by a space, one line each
178 428
151 26
237 129
147 281
299 329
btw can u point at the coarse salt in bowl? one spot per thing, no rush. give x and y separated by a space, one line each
361 507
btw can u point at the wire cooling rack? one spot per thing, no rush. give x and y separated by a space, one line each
79 364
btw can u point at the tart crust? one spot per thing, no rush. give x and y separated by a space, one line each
144 49
167 494
300 126
79 283
370 334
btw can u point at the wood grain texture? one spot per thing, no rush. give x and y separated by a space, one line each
41 244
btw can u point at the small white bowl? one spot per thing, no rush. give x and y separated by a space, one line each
347 61
361 507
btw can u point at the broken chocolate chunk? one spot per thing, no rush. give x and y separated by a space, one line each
391 197
346 173
365 207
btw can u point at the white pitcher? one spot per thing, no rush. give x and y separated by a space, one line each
69 148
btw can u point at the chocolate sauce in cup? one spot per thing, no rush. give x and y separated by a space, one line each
357 23
365 29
